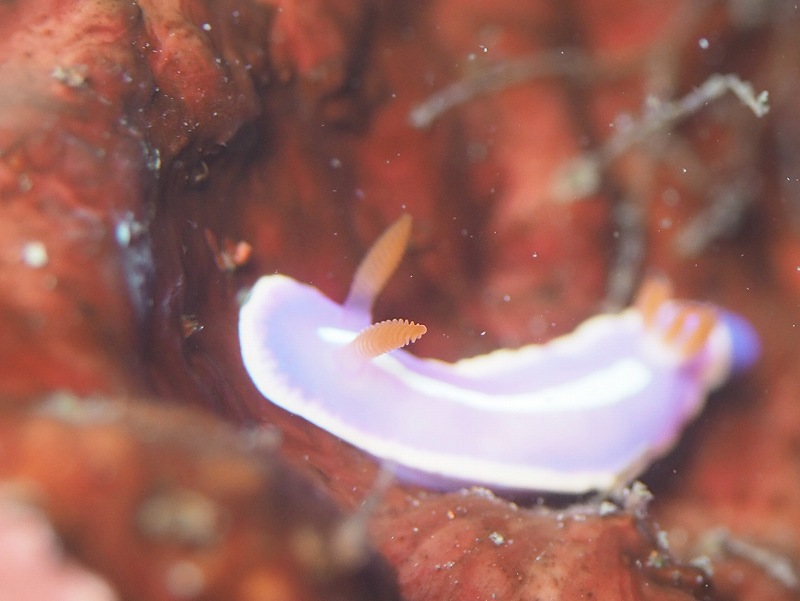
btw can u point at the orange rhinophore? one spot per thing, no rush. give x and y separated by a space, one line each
379 264
385 336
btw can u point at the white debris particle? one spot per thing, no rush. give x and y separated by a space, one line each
123 233
497 538
127 229
34 254
72 76
607 508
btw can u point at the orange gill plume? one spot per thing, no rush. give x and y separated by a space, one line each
705 319
688 329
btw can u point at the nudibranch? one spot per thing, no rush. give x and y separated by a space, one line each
585 411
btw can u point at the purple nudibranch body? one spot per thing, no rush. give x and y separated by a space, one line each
585 411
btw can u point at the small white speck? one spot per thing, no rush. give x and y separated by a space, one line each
703 43
335 163
34 254
534 255
123 233
206 26
506 298
497 538
72 76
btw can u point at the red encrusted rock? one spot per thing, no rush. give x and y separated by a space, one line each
471 545
170 504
